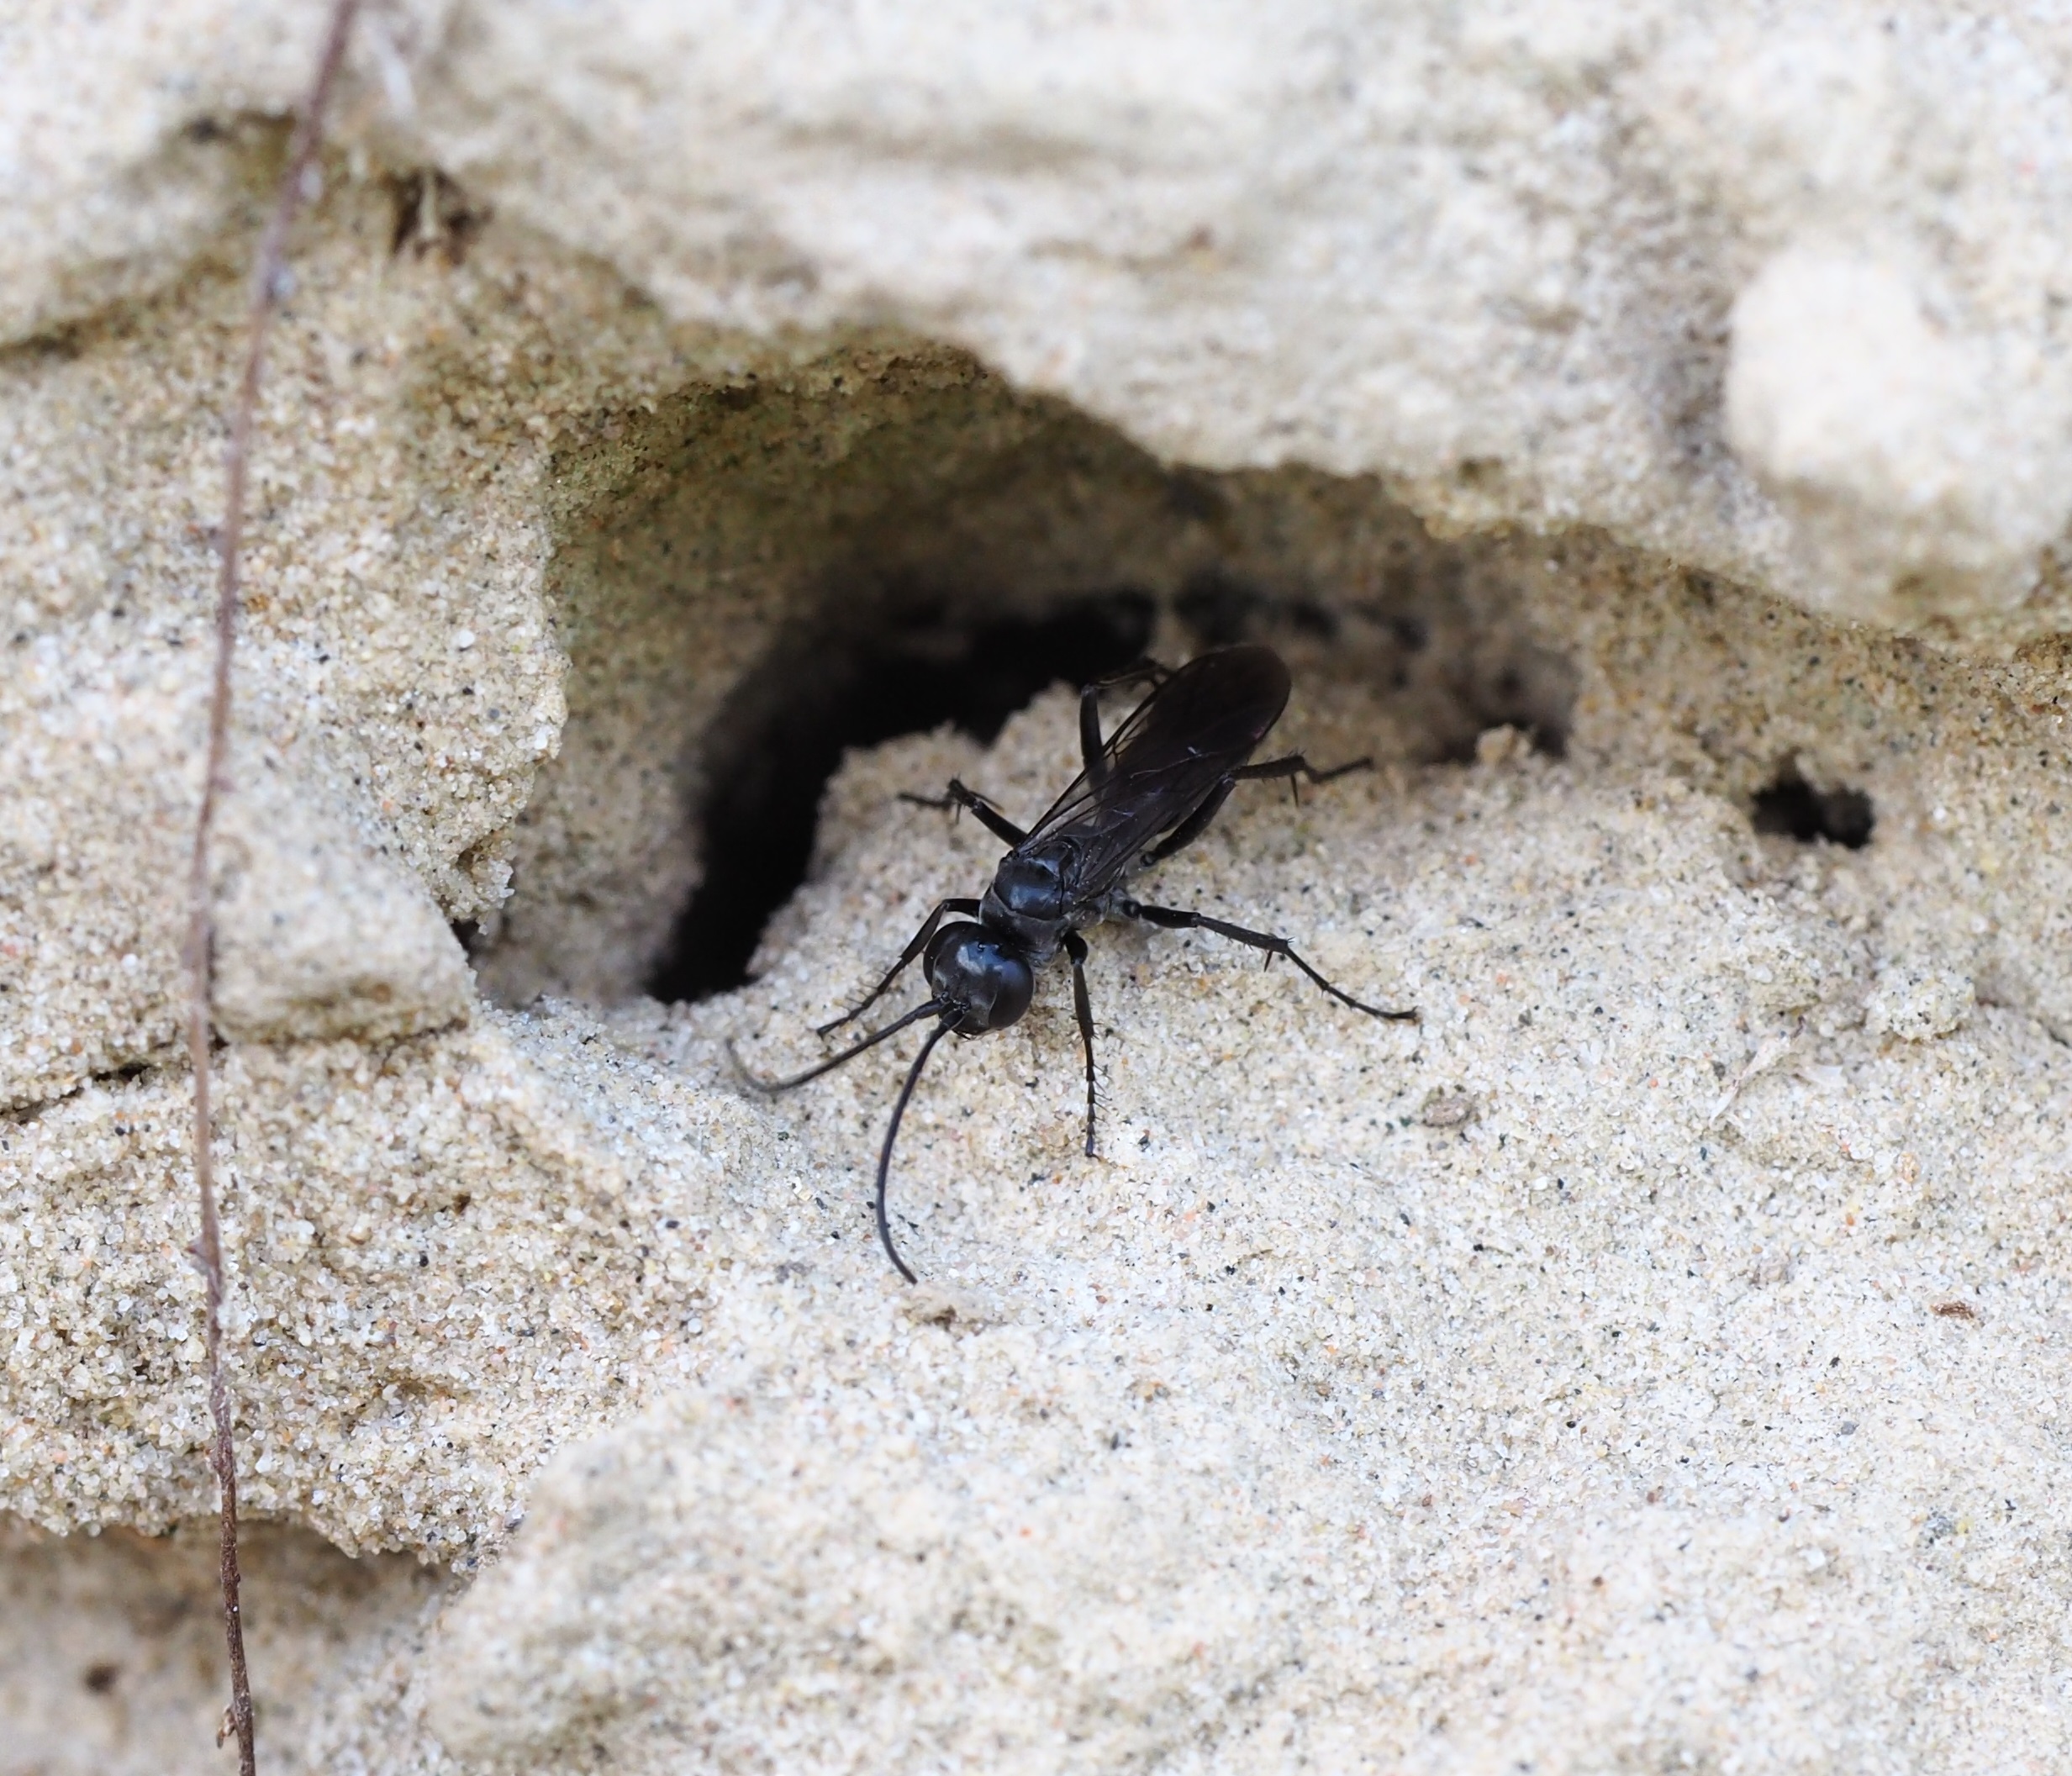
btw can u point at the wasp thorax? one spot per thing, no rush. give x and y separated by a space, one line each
987 983
1030 884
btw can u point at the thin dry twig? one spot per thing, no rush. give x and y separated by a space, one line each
268 280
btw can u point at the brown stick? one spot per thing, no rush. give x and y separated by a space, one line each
267 288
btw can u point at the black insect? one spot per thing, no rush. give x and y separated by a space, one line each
1147 791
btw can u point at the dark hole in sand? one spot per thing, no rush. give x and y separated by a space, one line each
1791 807
786 728
1533 694
1477 688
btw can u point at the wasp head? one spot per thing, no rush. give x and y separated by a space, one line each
984 979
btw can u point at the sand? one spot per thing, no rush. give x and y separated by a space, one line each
1636 431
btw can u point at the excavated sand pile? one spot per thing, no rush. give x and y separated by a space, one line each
1643 429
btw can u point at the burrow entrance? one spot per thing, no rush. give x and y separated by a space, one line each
1790 807
785 730
882 542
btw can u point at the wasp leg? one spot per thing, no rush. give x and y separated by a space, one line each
1083 1008
1092 749
1197 822
969 908
957 796
1193 827
1174 919
1294 767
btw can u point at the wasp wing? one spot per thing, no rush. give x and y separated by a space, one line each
1169 755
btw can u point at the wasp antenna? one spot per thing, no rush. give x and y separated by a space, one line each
770 1088
892 1134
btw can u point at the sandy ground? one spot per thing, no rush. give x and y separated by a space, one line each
1650 1361
1641 1363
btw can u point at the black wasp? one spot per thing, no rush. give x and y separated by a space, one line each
1150 789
